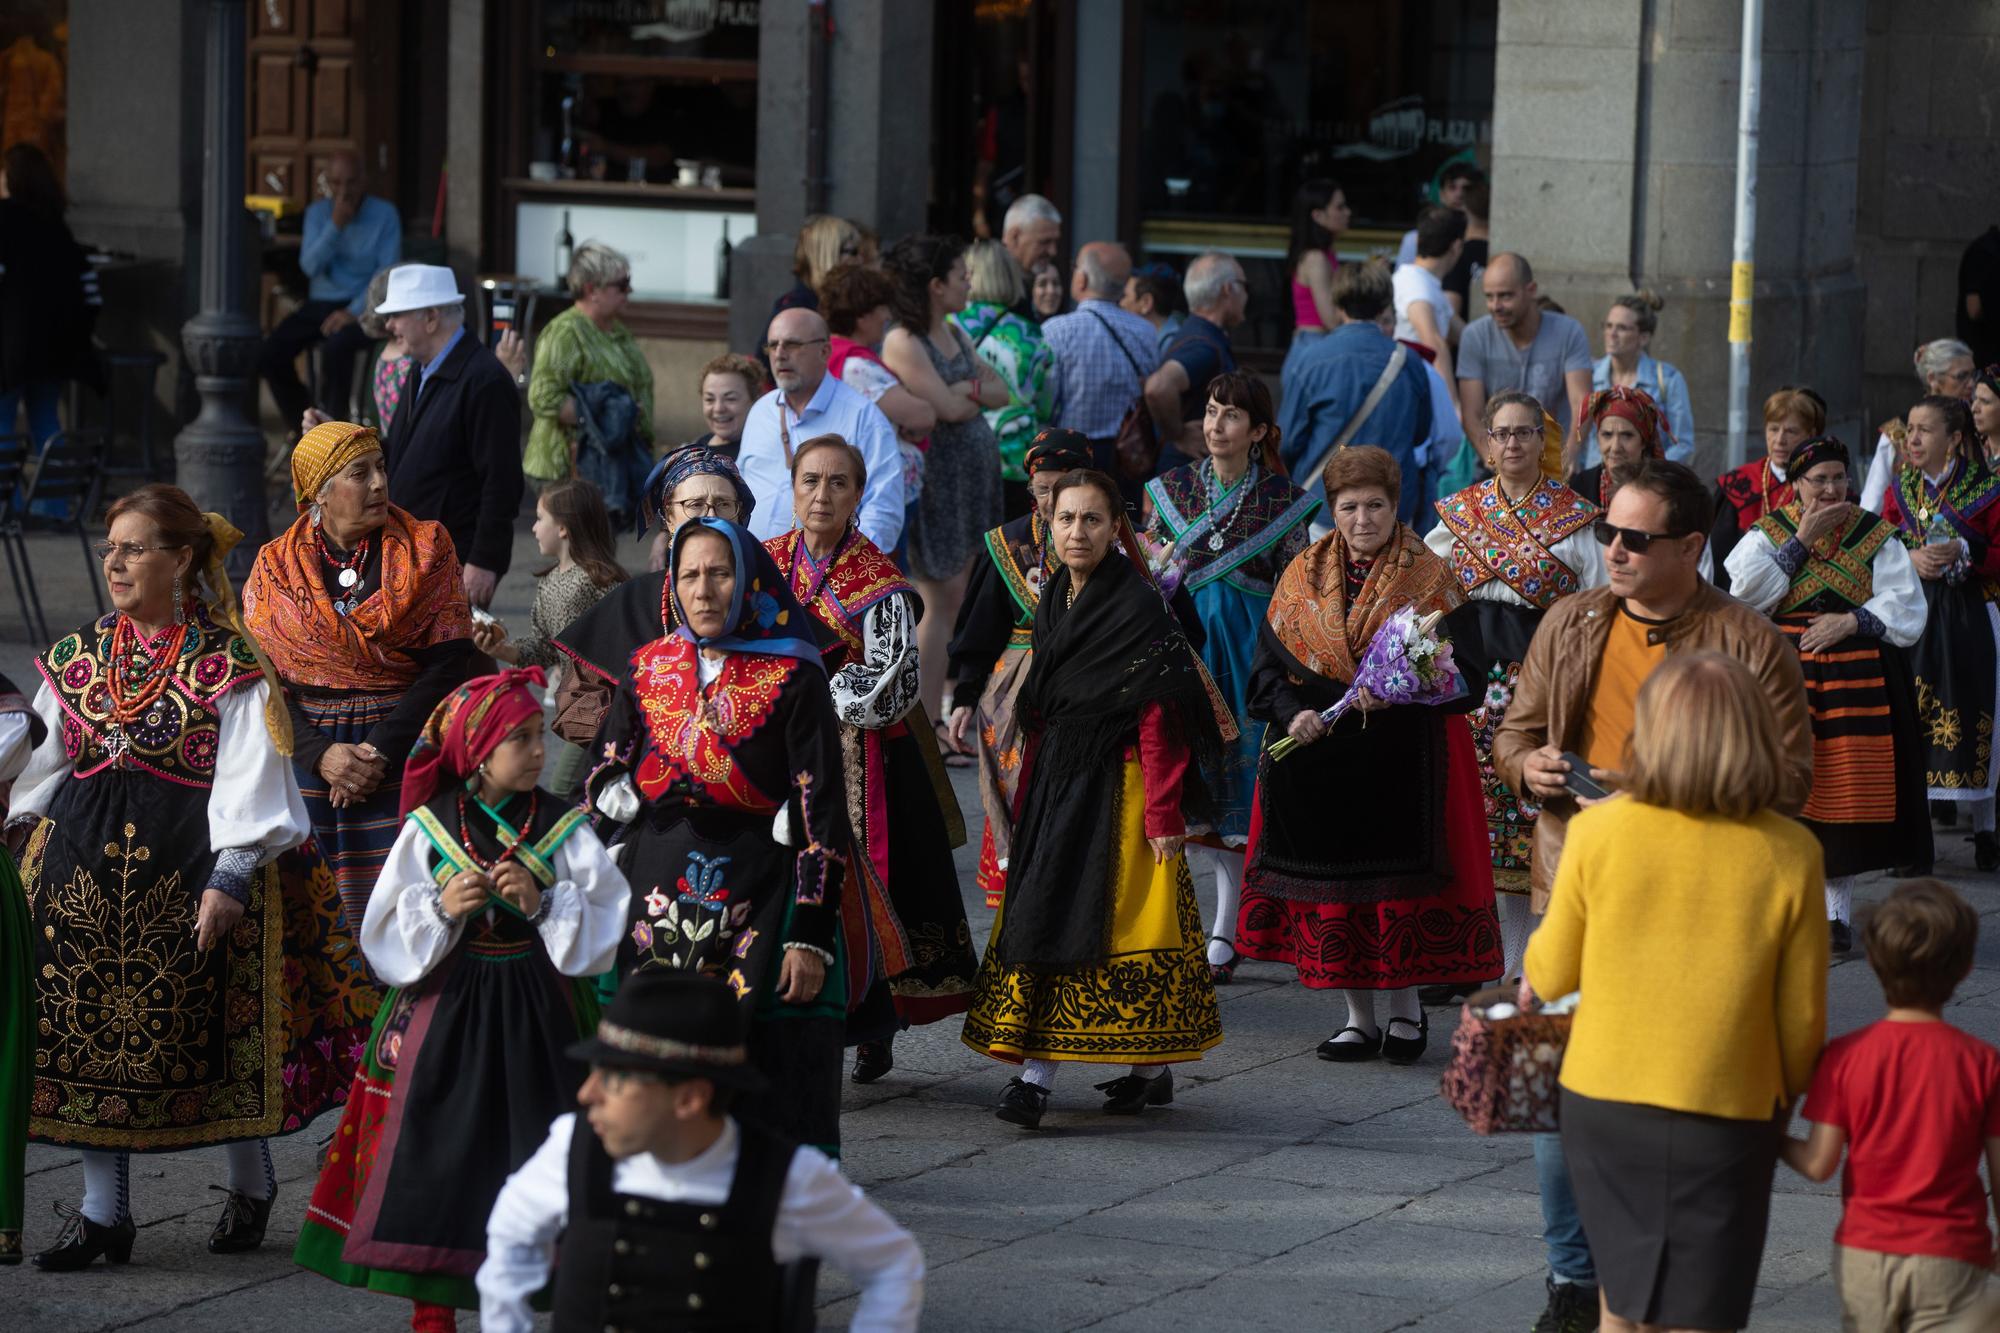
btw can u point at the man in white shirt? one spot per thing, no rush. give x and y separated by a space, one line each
1423 314
666 1207
809 403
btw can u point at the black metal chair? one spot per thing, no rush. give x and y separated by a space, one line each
67 477
15 451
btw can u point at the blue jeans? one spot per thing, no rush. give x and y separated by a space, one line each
1562 1229
44 400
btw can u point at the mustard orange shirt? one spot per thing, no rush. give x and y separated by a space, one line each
1633 650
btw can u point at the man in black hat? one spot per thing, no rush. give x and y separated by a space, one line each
671 1214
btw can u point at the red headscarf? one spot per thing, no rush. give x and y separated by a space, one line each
466 727
1636 406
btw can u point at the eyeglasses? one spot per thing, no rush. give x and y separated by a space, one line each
622 285
1636 541
132 550
1525 434
777 345
695 508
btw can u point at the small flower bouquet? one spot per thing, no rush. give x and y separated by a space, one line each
1406 663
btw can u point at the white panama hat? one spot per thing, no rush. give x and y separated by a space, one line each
419 287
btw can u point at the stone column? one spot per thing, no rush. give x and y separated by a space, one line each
1614 149
221 452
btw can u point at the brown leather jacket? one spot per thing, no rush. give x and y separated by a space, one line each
1554 690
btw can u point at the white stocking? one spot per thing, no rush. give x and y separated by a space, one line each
1982 815
250 1171
107 1187
1041 1073
1404 1004
1518 920
1228 868
1360 1014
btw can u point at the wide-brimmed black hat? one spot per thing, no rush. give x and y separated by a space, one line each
668 1022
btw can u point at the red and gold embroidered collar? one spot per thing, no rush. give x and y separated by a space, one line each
692 732
840 594
1512 542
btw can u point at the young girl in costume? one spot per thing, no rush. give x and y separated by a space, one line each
496 904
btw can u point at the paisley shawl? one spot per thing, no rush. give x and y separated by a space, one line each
1256 523
692 735
1493 541
1842 565
860 577
1327 634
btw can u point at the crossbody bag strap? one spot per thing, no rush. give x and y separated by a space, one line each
1360 418
1123 351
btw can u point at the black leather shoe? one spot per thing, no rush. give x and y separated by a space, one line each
872 1059
1406 1050
1023 1103
240 1229
1841 935
81 1240
1572 1308
1350 1052
1133 1093
1985 852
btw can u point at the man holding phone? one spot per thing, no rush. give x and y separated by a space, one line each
1566 731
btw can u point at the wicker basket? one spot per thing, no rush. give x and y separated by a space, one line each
1502 1076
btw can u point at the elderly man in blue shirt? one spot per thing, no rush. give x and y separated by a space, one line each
349 237
1341 391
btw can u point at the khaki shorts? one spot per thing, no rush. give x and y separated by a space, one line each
1912 1293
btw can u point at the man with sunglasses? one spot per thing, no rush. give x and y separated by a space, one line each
808 403
1577 692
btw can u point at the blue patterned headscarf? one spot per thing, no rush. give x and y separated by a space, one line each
764 617
690 460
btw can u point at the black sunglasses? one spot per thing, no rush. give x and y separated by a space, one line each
1636 540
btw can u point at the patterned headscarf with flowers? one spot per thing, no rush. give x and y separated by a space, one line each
764 616
467 725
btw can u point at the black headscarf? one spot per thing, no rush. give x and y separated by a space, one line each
1096 666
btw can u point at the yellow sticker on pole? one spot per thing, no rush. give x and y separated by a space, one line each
1742 280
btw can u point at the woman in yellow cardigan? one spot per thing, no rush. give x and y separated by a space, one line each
1676 1093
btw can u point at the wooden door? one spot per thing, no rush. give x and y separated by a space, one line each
320 76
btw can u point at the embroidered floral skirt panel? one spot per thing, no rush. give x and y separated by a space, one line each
147 1043
1150 1002
1504 630
1368 866
1957 669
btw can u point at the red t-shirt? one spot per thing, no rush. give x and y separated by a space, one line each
1918 1102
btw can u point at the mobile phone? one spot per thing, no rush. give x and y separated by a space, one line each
1578 779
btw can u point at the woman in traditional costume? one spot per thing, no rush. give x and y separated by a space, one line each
1747 493
1845 592
721 760
1226 528
691 482
1630 428
901 876
1368 867
1517 542
20 732
1946 506
1096 951
495 907
991 646
153 813
362 611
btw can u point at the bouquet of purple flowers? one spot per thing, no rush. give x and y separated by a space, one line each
1406 663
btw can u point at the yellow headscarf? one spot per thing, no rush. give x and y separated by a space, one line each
1552 447
323 451
224 607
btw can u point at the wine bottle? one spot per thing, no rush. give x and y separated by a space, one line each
565 253
723 254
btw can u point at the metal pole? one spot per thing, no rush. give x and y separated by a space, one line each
220 454
1742 273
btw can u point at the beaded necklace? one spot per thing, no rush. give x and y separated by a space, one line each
1216 494
1038 543
465 833
136 685
349 577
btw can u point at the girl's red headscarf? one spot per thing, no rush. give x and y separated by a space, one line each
467 726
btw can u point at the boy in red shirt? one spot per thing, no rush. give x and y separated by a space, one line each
1914 1101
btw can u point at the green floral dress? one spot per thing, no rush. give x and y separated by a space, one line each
572 350
1013 346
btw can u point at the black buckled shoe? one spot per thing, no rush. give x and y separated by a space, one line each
1224 973
1023 1104
81 1240
872 1059
1406 1050
1350 1052
1130 1094
240 1229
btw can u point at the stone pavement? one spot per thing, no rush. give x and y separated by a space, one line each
1277 1192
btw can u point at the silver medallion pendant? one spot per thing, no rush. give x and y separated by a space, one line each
349 577
1215 541
1036 577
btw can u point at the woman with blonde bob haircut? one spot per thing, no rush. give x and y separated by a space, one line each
1675 1097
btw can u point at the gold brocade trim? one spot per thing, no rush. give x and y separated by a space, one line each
1835 566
